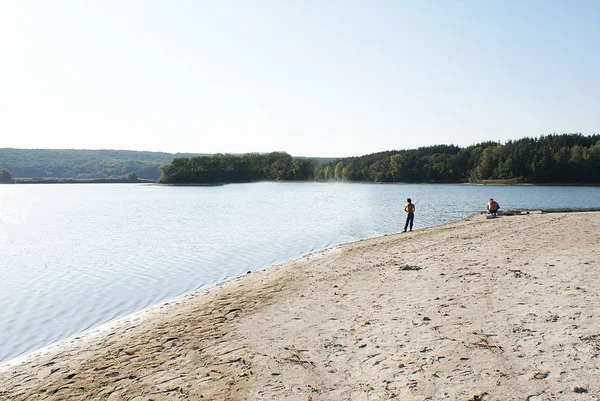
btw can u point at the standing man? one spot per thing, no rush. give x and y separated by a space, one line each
410 217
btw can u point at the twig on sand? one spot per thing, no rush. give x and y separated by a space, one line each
481 333
295 349
299 361
169 390
230 362
370 357
171 379
483 343
409 267
232 350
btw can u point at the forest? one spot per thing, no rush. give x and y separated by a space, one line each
84 164
565 158
227 168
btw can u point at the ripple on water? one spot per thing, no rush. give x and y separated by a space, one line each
75 257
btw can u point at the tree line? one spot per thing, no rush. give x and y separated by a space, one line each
566 158
226 168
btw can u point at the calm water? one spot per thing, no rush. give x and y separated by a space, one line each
75 256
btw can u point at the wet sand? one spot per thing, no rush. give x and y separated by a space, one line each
503 309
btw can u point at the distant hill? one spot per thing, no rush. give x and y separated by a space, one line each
91 164
74 163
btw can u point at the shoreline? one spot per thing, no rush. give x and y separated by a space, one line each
389 316
53 180
147 312
98 330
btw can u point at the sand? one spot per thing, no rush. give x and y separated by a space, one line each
504 309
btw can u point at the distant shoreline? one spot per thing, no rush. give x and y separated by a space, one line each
508 183
80 181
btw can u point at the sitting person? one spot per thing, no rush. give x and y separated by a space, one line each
492 207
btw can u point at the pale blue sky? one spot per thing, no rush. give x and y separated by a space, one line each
313 78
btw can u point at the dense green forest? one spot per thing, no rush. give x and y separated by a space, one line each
567 158
84 164
249 167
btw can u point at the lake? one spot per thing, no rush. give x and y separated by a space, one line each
73 257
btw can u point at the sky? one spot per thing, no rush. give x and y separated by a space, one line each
331 78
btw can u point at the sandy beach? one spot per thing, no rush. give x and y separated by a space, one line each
503 309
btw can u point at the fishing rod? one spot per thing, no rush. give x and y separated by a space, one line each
418 199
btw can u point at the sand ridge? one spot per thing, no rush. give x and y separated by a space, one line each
503 309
